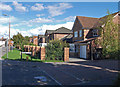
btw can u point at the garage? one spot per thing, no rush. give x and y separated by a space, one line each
83 51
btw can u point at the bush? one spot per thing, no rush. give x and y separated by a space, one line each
55 50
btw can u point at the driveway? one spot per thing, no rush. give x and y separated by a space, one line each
97 72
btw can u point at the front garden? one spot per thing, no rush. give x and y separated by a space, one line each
15 55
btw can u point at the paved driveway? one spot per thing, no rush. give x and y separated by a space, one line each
97 72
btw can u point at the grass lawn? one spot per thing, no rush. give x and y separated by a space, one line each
15 55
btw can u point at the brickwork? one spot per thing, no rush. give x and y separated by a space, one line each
59 36
41 50
42 53
66 54
33 51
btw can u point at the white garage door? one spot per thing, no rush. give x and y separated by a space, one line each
83 51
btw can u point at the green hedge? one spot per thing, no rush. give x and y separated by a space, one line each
55 50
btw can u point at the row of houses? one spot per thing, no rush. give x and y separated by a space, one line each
81 38
3 42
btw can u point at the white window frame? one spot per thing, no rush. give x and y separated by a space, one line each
95 34
80 33
76 34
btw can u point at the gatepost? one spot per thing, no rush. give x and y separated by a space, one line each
66 54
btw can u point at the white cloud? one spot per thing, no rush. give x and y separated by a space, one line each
43 28
5 7
4 20
41 20
4 31
70 18
34 31
39 15
19 7
37 7
58 9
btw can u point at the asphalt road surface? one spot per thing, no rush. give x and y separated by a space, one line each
97 72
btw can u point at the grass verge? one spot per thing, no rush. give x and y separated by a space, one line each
15 55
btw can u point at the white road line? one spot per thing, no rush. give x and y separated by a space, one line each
69 74
50 76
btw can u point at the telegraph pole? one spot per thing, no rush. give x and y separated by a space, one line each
9 30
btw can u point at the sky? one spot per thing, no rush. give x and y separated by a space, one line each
33 18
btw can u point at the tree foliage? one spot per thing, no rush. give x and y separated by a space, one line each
20 40
109 38
55 50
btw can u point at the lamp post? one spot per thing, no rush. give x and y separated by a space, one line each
9 29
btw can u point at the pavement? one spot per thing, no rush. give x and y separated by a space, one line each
96 72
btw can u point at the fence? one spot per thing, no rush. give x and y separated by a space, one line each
41 52
3 51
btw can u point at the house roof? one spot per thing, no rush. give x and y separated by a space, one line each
68 38
49 31
62 30
87 22
41 36
103 20
84 41
59 30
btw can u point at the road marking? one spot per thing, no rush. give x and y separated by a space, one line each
69 74
50 76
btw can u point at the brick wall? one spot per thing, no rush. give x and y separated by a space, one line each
59 36
66 54
42 53
41 50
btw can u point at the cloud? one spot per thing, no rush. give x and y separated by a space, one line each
5 7
41 20
39 15
4 31
19 7
37 7
34 31
58 9
70 18
4 20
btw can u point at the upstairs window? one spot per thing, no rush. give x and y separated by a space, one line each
80 33
95 32
76 34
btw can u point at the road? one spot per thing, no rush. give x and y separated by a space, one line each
97 72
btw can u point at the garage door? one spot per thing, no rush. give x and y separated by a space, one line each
83 51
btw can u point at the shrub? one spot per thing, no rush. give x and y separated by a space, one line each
55 50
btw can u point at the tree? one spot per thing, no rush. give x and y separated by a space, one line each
55 50
109 38
20 40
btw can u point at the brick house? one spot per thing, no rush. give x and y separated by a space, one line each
31 39
3 42
10 42
41 40
34 40
57 34
85 31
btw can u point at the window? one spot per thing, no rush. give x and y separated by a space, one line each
76 34
95 33
76 48
72 48
80 33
